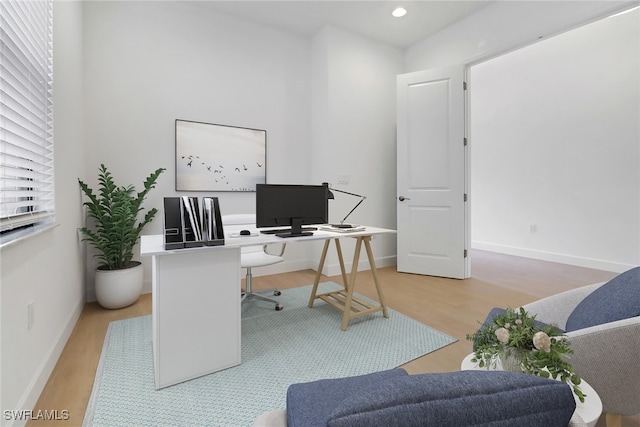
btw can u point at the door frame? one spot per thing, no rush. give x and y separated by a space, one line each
449 262
487 56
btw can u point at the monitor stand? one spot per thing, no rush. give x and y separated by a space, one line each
296 229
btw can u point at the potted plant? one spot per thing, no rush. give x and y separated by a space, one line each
515 341
116 230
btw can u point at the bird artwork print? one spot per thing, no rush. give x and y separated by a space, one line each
217 148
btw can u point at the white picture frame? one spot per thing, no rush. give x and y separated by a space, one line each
213 157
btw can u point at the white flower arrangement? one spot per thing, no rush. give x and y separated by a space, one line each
536 349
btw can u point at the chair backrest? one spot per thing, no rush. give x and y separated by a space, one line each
239 219
237 222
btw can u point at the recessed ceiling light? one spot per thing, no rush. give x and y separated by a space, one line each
399 12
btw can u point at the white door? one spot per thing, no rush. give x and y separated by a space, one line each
431 154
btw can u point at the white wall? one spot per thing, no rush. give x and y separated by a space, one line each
52 276
556 146
124 71
354 133
148 63
502 27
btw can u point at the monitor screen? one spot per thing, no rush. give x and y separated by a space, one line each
280 205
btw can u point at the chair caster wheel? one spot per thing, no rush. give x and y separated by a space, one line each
279 307
277 293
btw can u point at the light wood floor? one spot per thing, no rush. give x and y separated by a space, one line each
451 306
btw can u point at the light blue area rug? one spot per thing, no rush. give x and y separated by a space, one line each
279 348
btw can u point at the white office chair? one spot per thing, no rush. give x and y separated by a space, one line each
253 256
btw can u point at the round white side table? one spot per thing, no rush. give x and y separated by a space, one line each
589 411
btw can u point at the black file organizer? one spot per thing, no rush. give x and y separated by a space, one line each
173 223
184 227
212 222
192 225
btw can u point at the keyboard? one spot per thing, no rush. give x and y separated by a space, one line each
286 230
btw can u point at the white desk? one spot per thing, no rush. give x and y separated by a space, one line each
589 410
196 300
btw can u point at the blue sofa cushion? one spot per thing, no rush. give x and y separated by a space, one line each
310 404
615 300
456 399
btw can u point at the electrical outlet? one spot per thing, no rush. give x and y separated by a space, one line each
31 314
343 179
533 228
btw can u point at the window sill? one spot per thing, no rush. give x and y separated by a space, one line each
13 237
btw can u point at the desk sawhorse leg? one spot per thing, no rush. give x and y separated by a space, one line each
343 299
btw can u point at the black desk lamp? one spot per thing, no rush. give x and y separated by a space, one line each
342 224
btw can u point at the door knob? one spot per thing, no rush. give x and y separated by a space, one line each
402 198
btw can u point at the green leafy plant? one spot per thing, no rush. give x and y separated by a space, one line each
537 349
115 210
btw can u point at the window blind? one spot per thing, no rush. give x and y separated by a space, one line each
26 113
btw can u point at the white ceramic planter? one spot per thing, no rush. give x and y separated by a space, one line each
119 288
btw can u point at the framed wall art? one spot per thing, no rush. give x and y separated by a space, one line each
212 157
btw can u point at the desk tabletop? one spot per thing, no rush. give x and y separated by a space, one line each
154 244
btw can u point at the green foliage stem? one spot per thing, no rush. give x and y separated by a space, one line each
521 329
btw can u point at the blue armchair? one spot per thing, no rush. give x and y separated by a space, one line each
602 323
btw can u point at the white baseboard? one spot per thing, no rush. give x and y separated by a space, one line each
283 267
553 257
286 267
363 265
329 269
39 380
146 287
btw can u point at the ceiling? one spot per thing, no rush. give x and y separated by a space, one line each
368 18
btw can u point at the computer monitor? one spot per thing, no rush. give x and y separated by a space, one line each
280 205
